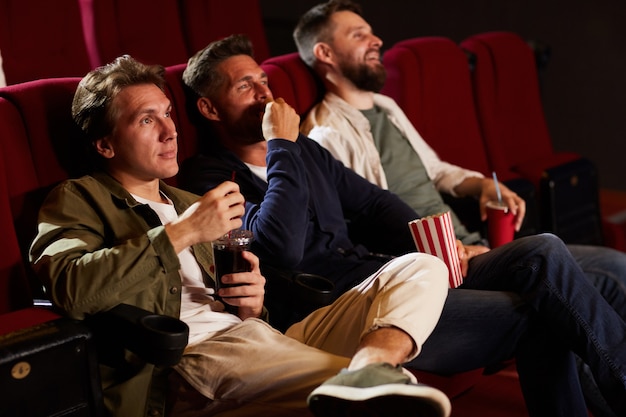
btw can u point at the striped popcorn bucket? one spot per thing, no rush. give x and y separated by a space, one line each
435 235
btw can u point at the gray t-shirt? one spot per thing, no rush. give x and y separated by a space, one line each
406 174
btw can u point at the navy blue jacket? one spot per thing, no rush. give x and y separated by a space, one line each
314 214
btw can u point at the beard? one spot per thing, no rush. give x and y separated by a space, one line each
245 129
365 77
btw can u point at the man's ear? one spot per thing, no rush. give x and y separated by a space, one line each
207 109
104 147
323 52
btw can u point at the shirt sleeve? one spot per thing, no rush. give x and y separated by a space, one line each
87 267
280 220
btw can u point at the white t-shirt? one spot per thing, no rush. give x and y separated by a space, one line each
259 171
203 314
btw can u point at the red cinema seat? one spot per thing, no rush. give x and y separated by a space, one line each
37 345
511 117
204 21
15 292
34 161
290 78
50 154
184 113
40 146
147 30
509 104
41 39
429 78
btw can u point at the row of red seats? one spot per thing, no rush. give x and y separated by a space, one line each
516 142
44 39
498 102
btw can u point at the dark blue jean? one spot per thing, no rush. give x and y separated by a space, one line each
606 269
561 313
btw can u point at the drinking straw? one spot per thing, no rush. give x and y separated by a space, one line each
232 178
498 193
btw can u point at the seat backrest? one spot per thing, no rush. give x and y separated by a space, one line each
290 78
204 21
41 39
429 78
40 156
508 101
14 289
51 152
148 30
185 115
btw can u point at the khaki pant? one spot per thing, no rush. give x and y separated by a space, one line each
253 370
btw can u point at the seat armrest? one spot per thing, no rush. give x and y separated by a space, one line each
48 367
38 346
157 339
292 295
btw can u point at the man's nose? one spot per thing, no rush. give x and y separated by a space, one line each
377 41
263 92
169 130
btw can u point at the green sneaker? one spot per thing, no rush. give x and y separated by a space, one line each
377 390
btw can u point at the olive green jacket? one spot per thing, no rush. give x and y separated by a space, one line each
97 247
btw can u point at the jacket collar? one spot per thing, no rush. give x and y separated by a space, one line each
126 199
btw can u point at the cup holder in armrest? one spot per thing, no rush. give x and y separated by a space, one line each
313 290
163 339
157 339
292 295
